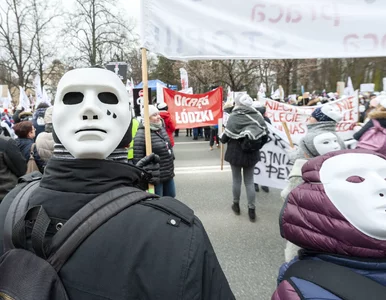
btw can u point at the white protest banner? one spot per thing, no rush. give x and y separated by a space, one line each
46 98
187 91
5 97
38 90
367 87
384 84
184 79
160 93
297 117
24 100
250 29
274 167
349 91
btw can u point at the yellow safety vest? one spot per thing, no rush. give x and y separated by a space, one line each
134 128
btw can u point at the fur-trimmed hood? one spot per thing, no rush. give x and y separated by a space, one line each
378 114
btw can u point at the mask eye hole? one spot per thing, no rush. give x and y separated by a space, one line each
73 98
355 179
108 98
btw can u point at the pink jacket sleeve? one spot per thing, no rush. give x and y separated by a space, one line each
285 291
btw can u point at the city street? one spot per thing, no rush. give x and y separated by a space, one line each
249 253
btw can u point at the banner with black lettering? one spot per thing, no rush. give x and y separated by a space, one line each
190 110
275 166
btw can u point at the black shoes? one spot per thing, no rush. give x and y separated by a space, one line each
236 208
265 189
257 188
252 214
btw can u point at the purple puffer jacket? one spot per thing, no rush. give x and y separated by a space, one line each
311 221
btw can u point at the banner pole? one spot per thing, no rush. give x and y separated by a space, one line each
146 108
288 134
220 131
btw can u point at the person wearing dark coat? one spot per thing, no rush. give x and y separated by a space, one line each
378 114
26 134
244 122
161 146
155 249
38 118
12 165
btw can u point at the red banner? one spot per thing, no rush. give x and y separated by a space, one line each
189 111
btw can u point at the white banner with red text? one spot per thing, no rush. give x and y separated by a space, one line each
255 29
297 117
191 110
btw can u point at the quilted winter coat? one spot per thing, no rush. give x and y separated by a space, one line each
311 221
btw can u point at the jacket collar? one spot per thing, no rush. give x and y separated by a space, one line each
89 175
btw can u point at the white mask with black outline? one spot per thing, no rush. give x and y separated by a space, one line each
355 183
92 112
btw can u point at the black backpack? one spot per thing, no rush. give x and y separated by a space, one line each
339 280
248 145
27 275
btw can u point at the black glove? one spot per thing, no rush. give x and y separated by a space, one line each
151 165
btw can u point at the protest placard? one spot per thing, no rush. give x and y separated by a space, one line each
275 166
138 100
297 117
194 110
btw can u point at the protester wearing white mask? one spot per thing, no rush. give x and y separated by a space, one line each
145 244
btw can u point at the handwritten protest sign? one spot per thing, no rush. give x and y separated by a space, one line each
190 110
274 167
297 117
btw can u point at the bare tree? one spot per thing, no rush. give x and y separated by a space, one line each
17 41
45 49
96 30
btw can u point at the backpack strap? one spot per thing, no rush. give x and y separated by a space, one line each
18 208
88 219
339 280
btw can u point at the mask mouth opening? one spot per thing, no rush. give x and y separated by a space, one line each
91 129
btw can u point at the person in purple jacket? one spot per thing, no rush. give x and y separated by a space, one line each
338 218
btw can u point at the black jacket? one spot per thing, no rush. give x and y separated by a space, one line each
25 148
161 146
236 156
12 165
136 254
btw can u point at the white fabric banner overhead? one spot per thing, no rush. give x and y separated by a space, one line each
226 29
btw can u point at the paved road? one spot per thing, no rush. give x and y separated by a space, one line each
249 253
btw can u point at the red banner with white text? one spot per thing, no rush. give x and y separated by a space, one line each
190 111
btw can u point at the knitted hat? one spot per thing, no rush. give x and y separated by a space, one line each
243 99
48 115
327 113
307 143
152 110
162 106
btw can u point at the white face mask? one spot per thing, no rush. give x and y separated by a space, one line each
363 204
332 112
326 142
92 112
